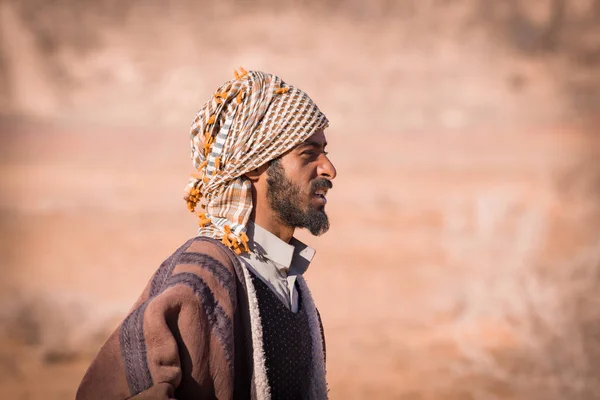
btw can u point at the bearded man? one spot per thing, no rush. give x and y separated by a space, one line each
229 315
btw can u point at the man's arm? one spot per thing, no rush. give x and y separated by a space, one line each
141 358
177 339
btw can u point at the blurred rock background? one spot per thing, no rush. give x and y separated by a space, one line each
463 259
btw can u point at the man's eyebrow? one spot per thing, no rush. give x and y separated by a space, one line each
312 143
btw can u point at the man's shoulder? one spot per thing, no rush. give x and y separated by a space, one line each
209 247
203 250
199 259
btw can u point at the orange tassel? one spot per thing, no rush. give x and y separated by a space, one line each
194 192
241 74
191 205
217 162
203 220
244 239
236 248
282 90
199 174
211 120
226 241
240 97
208 141
192 199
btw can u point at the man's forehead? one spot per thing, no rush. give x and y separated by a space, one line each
316 139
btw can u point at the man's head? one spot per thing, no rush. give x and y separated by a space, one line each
297 185
250 121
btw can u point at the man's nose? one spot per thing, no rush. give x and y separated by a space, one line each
326 168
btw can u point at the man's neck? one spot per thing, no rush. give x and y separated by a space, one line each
283 232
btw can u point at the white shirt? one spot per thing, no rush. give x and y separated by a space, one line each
276 262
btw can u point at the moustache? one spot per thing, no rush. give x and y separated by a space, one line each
320 183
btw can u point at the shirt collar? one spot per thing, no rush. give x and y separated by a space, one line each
292 258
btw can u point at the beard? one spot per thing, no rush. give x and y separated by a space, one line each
287 198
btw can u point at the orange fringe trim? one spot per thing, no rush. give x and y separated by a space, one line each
203 220
208 141
238 245
193 199
244 239
241 74
225 240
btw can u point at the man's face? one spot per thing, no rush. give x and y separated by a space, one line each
297 185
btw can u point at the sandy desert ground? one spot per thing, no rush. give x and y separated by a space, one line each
463 258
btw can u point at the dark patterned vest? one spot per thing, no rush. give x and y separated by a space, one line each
287 344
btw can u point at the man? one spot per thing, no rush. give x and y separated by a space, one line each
229 315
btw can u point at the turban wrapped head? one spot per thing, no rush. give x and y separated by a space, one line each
248 122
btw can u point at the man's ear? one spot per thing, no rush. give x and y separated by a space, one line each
256 173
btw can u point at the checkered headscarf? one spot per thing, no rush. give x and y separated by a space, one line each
249 121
